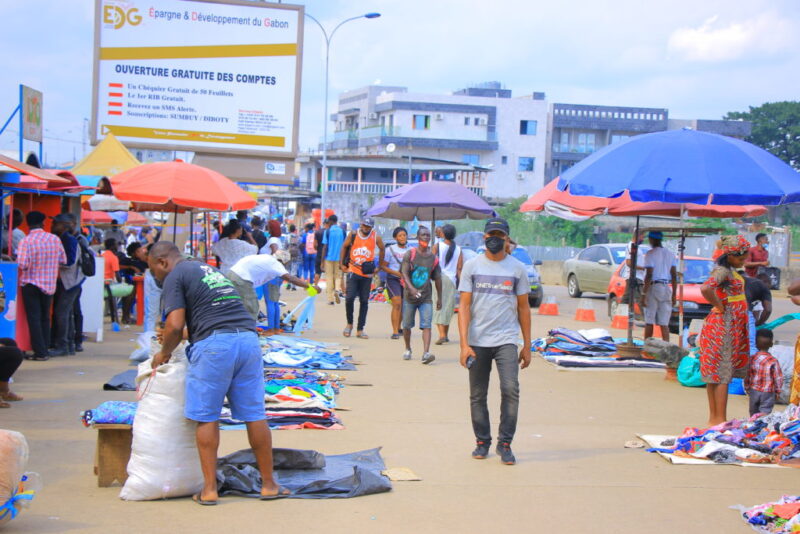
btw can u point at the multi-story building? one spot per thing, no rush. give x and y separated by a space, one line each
483 126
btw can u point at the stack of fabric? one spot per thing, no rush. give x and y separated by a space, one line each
297 399
765 439
585 348
782 516
296 352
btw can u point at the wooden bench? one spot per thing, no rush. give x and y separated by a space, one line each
112 453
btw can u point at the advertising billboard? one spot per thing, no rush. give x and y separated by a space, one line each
32 104
198 75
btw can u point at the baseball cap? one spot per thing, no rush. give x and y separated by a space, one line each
64 218
656 235
496 223
367 221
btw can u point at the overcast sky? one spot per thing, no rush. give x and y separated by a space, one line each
699 59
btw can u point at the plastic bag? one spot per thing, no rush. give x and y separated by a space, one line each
143 342
164 460
17 488
689 372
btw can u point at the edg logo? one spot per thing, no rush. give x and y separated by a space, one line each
116 16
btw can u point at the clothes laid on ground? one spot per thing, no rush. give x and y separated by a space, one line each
110 413
586 348
285 351
307 474
772 439
124 381
779 517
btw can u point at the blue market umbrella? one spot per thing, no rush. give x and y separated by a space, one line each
685 166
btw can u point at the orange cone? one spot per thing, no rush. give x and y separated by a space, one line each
620 319
585 311
549 306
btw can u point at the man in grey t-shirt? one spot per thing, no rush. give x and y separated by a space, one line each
493 311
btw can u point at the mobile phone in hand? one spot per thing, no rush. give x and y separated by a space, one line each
470 362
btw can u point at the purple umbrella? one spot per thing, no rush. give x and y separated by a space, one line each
429 201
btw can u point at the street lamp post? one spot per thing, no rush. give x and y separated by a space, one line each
324 181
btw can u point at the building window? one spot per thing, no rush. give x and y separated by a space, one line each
526 164
466 121
504 160
527 127
422 122
476 121
618 138
471 159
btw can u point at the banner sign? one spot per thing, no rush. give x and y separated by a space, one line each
31 114
196 75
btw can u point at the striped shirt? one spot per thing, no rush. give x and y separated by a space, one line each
38 257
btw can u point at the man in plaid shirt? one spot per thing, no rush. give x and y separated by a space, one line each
765 378
39 256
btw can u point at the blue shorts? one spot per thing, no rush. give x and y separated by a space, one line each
410 311
225 364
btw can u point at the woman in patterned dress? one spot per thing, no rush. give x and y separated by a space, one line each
724 341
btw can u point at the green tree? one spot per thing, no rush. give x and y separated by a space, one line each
776 128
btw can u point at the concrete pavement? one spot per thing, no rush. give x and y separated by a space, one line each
573 474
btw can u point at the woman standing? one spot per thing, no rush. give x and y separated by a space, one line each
724 341
272 291
230 249
450 261
393 258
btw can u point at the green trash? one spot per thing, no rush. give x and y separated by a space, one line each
689 371
120 290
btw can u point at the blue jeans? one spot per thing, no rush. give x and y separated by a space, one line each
309 264
507 359
751 327
410 311
225 364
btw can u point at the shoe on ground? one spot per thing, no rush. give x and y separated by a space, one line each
427 358
407 355
395 336
504 451
442 341
481 450
78 348
337 296
58 352
331 304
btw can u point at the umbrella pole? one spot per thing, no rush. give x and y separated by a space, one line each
632 281
433 228
191 232
681 266
175 226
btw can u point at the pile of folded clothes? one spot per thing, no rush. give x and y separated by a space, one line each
297 399
296 352
763 439
586 348
782 516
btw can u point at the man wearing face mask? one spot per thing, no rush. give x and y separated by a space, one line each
493 312
420 265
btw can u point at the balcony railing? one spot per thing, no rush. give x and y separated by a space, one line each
576 149
474 184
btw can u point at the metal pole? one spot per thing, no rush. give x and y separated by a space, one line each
409 168
632 280
324 181
191 232
21 122
681 266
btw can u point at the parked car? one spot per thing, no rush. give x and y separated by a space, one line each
592 268
695 305
536 293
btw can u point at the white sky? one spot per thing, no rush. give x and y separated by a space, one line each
699 59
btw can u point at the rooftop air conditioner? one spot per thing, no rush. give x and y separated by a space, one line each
373 116
439 116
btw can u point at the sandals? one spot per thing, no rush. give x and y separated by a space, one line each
442 341
282 494
347 331
362 335
35 358
199 500
10 397
396 336
4 405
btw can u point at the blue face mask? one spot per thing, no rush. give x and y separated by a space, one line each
766 246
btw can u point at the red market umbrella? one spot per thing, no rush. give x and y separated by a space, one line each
563 204
178 186
102 217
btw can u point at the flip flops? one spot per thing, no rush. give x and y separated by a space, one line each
362 335
282 494
199 500
347 331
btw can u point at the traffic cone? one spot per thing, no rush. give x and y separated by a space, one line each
549 306
620 319
585 311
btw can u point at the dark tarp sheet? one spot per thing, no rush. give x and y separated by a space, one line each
307 474
125 381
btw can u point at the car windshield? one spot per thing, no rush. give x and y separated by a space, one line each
522 255
618 253
697 271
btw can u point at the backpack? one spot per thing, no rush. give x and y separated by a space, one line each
86 258
311 246
420 275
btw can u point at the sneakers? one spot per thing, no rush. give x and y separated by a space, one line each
481 450
337 296
504 451
427 358
407 355
442 341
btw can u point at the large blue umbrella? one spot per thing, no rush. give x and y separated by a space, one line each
685 166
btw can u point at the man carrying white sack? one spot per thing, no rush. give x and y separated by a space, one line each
224 360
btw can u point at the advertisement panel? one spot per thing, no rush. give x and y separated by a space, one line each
31 114
198 75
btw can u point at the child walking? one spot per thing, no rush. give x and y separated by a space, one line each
765 378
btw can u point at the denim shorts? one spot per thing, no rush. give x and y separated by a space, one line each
225 364
410 311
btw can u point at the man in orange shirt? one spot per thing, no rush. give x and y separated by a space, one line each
111 274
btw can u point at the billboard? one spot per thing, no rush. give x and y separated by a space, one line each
198 75
31 114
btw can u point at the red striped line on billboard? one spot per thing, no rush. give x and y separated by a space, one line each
115 104
110 112
118 95
119 85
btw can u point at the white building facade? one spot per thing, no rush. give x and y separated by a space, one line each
482 126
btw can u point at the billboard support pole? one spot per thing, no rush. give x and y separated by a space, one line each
10 118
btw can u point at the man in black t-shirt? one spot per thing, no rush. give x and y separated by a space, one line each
224 359
757 291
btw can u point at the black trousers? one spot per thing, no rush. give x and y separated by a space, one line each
357 287
64 316
10 358
77 314
37 310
